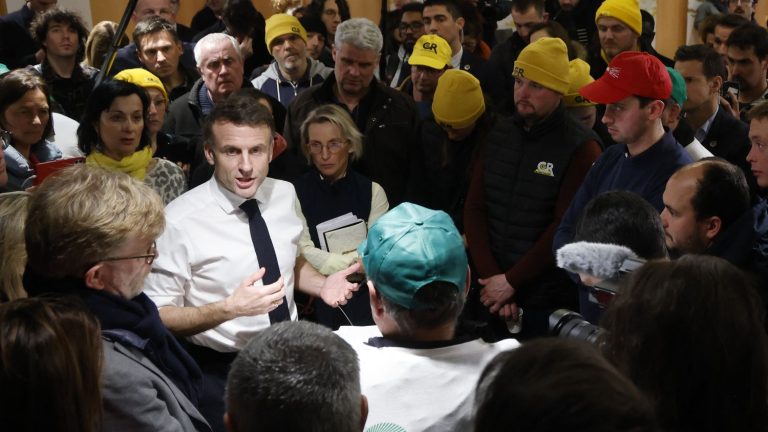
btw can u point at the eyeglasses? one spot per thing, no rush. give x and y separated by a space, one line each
414 26
333 147
149 258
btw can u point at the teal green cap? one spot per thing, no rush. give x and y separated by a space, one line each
409 247
3 69
679 93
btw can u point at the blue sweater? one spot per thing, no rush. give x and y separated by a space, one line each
645 174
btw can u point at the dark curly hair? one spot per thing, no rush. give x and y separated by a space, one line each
42 23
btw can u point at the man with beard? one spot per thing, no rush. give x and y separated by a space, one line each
292 71
747 50
522 184
745 8
430 59
707 211
412 28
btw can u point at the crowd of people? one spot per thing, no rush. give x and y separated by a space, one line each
315 222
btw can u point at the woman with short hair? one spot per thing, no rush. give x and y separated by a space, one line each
115 134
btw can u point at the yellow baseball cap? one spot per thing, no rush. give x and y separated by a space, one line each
431 51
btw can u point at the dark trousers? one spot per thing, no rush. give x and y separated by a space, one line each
215 366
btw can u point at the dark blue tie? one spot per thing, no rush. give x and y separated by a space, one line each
265 252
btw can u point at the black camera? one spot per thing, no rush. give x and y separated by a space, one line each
730 89
569 324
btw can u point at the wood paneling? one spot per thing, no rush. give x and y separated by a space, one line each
112 10
671 25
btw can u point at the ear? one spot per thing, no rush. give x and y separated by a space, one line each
715 84
545 17
209 155
363 412
94 277
711 227
674 112
656 109
377 307
460 22
333 53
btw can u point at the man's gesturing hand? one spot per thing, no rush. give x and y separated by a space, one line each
249 299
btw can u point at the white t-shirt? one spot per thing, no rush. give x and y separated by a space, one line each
429 389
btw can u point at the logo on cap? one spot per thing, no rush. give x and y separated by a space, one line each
614 72
295 29
545 168
430 47
518 72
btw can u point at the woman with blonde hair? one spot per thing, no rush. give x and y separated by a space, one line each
330 141
13 253
97 44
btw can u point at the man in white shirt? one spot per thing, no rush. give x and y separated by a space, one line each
207 282
417 371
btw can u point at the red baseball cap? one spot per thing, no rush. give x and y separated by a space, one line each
631 73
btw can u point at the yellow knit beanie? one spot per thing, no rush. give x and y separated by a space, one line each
281 24
578 73
544 62
626 11
458 101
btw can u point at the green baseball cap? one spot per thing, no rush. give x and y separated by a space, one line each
679 93
409 247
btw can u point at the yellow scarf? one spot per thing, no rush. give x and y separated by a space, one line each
134 165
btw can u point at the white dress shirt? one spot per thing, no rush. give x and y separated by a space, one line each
206 251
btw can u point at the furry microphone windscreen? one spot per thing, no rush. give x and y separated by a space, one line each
601 260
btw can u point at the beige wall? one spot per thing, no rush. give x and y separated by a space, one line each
113 9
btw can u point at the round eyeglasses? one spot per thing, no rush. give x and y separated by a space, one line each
333 147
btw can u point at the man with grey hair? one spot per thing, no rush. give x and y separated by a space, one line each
417 370
295 376
220 64
387 118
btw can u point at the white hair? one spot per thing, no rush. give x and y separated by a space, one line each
211 40
361 33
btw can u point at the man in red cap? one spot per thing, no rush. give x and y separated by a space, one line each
633 89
